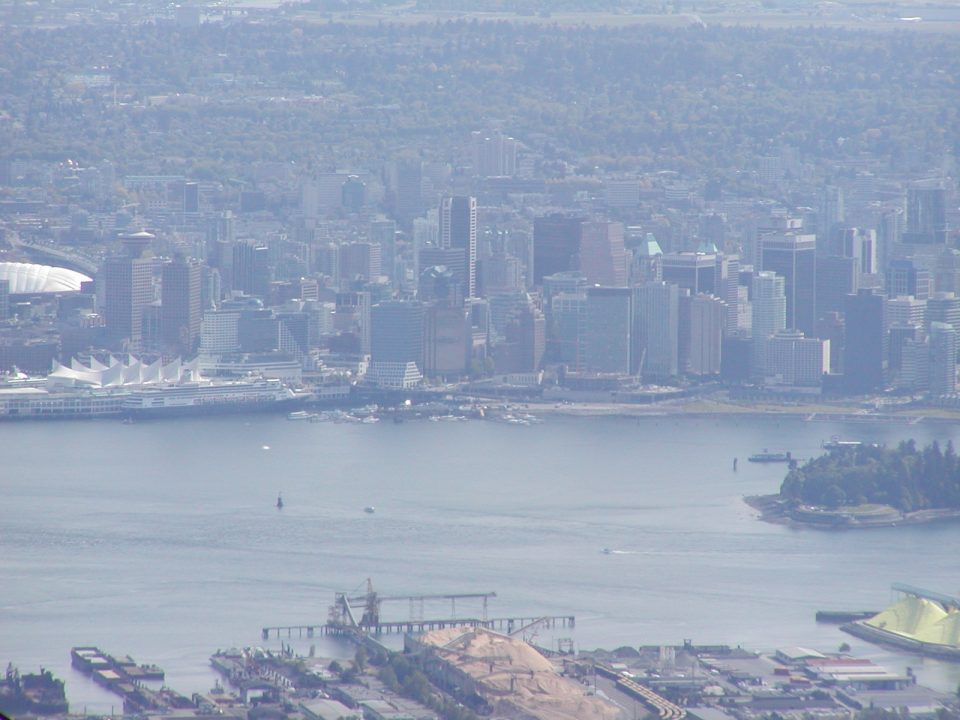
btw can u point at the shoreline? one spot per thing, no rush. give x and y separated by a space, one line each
700 408
773 509
715 405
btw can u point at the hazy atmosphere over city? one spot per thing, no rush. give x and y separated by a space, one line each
479 359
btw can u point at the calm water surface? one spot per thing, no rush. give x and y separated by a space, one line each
161 539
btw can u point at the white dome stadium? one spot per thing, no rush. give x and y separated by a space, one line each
30 279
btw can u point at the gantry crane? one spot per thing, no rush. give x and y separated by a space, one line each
342 611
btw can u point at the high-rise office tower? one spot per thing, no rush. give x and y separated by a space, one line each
567 329
836 278
915 365
352 317
251 268
947 273
499 273
926 216
622 192
861 244
452 259
439 284
526 340
128 289
700 334
795 360
505 308
792 255
211 288
191 197
258 330
647 263
360 261
713 230
897 338
904 278
830 326
556 245
180 314
384 234
397 344
494 154
569 284
906 310
565 282
865 349
294 333
728 290
407 186
4 299
769 317
944 308
943 359
693 271
458 229
608 329
353 194
446 339
656 309
219 332
396 334
831 211
220 229
603 259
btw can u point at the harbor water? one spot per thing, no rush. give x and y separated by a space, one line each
163 539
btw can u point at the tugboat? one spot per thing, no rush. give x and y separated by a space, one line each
279 501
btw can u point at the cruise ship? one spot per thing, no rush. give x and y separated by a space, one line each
196 398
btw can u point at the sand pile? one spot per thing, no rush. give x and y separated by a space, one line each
516 679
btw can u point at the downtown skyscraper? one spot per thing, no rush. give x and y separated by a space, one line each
458 230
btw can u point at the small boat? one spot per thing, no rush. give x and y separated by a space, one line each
279 502
369 509
769 457
835 443
300 415
607 551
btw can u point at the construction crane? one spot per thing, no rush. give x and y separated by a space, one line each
342 611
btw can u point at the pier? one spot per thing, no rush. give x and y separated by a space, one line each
507 625
359 615
844 616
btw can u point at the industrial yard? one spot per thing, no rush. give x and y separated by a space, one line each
469 665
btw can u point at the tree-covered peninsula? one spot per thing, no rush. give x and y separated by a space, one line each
907 478
868 486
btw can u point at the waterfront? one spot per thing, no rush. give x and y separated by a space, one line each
162 539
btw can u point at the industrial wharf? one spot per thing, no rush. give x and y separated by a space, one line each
359 615
507 625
